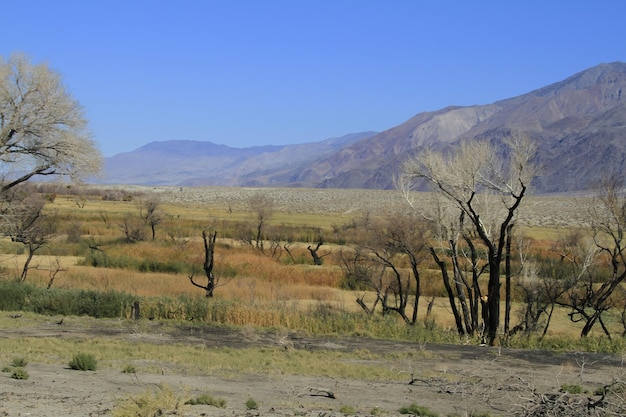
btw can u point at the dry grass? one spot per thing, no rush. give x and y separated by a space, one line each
259 278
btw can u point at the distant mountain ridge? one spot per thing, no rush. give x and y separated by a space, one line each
579 124
194 163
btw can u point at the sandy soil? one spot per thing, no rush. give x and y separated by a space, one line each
450 380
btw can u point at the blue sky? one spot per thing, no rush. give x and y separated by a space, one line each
246 73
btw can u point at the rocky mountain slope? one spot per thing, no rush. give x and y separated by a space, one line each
579 124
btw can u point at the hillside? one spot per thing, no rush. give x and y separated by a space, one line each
579 124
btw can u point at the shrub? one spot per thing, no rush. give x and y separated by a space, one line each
150 404
251 404
83 362
347 409
13 295
73 233
417 410
129 369
206 399
571 388
19 373
19 362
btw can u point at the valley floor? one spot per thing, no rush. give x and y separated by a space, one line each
448 379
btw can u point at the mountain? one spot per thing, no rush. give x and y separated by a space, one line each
190 163
579 124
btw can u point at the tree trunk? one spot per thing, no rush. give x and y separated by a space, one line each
507 285
209 249
446 283
29 258
493 298
317 260
458 281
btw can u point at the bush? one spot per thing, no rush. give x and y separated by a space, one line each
206 399
571 388
16 296
129 369
417 410
19 373
347 409
13 295
151 403
83 362
19 362
251 404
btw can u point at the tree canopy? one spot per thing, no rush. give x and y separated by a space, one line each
43 130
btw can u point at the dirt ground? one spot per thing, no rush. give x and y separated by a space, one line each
449 380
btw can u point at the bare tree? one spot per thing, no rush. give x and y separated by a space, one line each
207 266
150 212
42 128
263 208
488 187
361 273
600 269
317 258
25 222
133 228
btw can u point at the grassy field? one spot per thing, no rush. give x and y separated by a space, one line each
259 285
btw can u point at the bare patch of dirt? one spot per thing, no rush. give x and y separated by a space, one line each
449 379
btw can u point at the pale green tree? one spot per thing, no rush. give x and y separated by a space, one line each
43 131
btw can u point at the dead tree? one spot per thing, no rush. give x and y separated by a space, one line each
317 258
209 249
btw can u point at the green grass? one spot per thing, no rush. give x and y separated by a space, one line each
198 360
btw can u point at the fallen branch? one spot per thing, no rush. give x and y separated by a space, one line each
317 392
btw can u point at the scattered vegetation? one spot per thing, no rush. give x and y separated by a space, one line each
572 388
101 273
206 399
19 362
129 369
19 373
417 410
83 362
160 401
252 404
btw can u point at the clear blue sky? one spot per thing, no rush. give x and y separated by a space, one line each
246 73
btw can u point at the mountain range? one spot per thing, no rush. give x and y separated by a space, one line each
579 125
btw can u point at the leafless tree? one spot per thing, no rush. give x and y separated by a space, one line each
488 187
263 208
53 271
133 228
149 211
42 128
601 268
361 273
314 251
209 256
24 222
400 244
